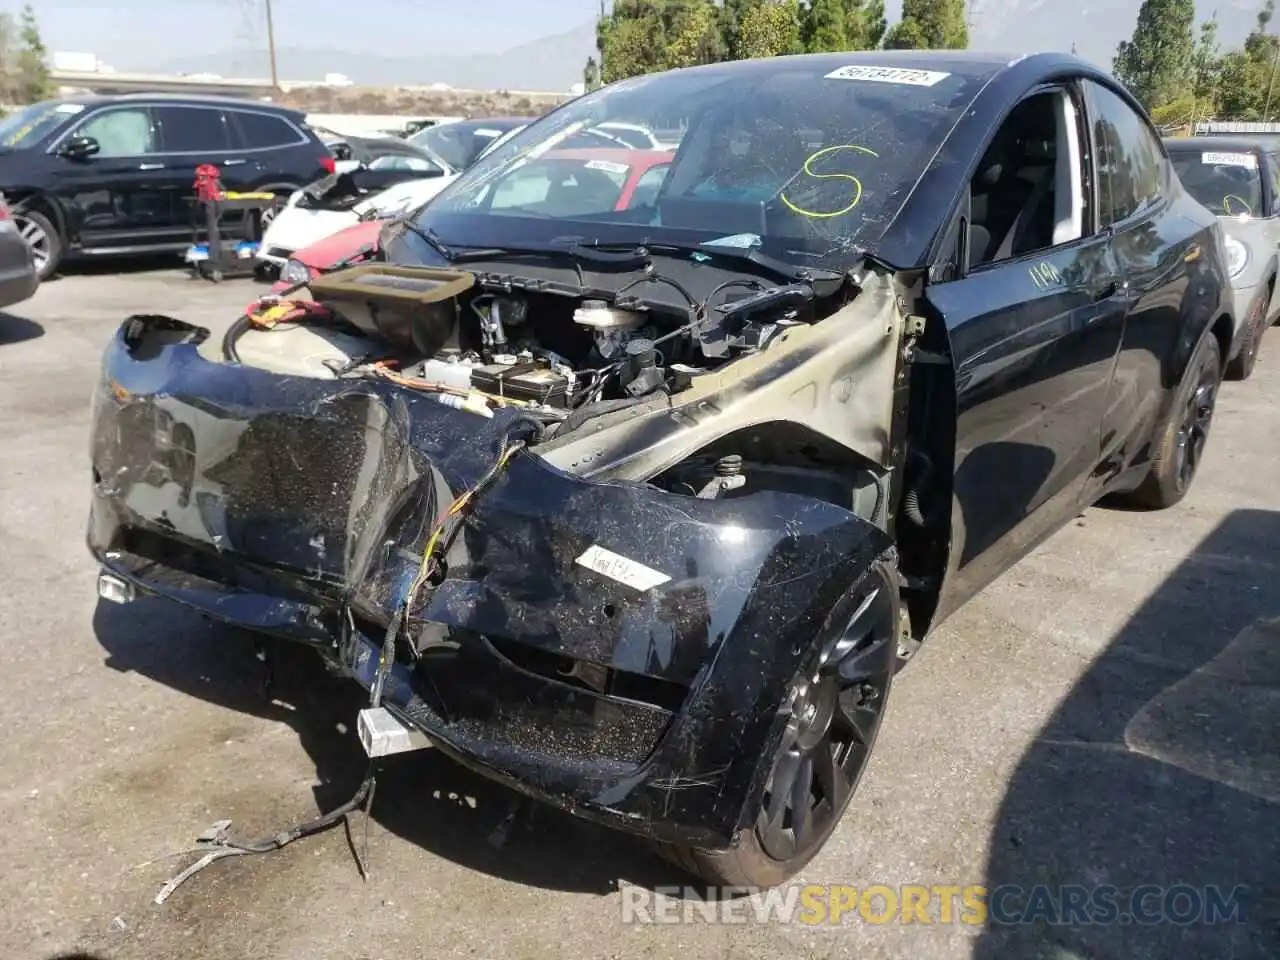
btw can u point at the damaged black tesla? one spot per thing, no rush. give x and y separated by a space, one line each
633 491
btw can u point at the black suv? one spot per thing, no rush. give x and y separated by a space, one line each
100 176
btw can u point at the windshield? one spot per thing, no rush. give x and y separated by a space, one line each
30 125
790 154
1228 183
459 144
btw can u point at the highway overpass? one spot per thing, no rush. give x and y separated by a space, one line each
101 82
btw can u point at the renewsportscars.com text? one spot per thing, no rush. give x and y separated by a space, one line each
973 905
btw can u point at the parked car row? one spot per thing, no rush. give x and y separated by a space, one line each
664 459
1238 180
105 176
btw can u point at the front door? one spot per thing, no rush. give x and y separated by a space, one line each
1035 323
120 198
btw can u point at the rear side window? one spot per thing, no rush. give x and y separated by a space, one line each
1130 161
261 130
192 129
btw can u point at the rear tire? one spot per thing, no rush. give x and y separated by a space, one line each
1181 437
833 717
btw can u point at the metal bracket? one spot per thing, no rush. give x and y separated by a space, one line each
914 326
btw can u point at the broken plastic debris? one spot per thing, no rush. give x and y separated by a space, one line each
738 241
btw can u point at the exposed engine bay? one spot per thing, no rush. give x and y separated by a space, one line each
344 190
477 347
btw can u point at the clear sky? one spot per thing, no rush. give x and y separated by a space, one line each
125 32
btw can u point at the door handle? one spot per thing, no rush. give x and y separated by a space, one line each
233 163
151 166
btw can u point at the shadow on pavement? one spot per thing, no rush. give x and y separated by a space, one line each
1161 768
108 266
424 798
17 329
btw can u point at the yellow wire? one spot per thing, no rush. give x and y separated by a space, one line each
458 505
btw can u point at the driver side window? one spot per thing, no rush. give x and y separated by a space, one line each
1028 193
126 132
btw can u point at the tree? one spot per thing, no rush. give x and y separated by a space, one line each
642 36
930 24
769 29
864 23
31 60
1206 68
732 15
1245 89
692 29
824 26
1156 64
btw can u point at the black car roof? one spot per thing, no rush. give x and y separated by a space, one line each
1235 144
204 100
967 63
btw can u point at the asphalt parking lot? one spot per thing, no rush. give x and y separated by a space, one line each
1107 713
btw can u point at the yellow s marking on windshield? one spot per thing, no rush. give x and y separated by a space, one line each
857 184
1226 206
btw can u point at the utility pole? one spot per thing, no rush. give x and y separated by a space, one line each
1266 111
271 46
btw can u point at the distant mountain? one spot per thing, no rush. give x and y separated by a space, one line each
555 63
551 63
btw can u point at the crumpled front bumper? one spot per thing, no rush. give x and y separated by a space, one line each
301 507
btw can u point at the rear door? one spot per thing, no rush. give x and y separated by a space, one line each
1157 250
1035 321
192 135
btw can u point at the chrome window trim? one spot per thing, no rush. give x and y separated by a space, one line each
92 112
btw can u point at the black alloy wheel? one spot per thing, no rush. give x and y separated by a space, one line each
835 715
1179 440
832 716
1197 416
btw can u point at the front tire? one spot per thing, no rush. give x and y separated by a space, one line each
44 240
1241 368
833 716
1180 440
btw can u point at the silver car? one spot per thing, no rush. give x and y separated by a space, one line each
1239 180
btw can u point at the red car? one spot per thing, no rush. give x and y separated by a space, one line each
636 176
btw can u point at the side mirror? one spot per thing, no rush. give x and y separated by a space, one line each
79 148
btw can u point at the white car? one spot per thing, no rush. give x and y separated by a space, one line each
347 197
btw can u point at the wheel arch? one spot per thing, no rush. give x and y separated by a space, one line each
1223 330
41 202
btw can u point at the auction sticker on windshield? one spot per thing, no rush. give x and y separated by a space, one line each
1247 160
914 78
608 166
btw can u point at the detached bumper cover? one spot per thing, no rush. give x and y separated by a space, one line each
300 507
